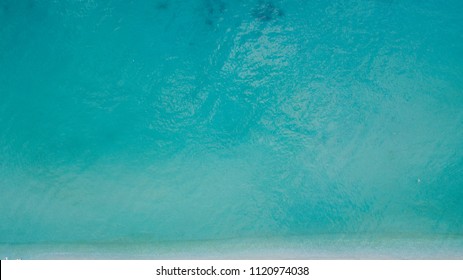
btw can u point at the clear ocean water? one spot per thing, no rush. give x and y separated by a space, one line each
163 121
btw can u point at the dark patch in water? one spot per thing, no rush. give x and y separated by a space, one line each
5 7
162 5
214 10
209 21
215 7
267 11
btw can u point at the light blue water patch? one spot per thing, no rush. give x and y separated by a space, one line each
204 120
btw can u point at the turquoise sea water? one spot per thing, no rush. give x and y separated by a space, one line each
127 122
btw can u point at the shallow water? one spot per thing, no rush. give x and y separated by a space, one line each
135 121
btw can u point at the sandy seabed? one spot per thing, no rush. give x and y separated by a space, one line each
299 247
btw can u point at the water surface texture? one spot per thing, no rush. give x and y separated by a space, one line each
187 121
